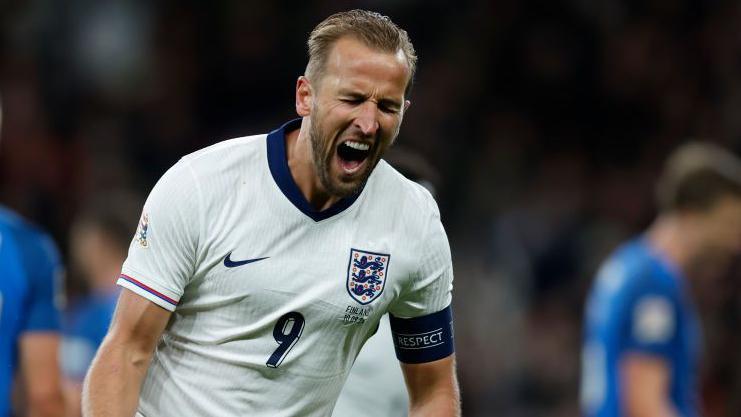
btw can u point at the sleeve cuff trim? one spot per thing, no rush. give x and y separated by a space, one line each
147 291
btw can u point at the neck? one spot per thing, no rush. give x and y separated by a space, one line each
303 171
674 236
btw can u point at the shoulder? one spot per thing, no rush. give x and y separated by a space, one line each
15 225
633 272
31 240
227 153
400 191
624 278
410 211
210 172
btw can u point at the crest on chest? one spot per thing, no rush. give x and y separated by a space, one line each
366 275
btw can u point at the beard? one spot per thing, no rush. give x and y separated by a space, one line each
323 151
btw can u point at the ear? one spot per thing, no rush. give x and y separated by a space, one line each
407 103
303 96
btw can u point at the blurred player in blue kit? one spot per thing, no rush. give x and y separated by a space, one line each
30 278
99 240
642 338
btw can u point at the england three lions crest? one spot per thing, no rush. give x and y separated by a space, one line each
366 275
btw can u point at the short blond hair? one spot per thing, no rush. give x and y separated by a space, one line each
373 29
696 175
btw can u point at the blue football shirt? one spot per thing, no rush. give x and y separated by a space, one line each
639 303
29 267
84 325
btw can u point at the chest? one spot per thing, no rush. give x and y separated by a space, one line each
344 271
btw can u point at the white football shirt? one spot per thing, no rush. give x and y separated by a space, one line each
376 371
271 299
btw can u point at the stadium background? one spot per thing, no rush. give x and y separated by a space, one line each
546 124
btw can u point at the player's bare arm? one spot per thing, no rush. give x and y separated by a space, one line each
40 374
433 388
645 382
113 383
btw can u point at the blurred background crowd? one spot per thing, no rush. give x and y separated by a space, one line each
543 124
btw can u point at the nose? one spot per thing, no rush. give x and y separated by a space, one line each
367 119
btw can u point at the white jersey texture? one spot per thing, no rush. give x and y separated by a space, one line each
230 246
375 370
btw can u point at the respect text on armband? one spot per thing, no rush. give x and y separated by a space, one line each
420 341
423 339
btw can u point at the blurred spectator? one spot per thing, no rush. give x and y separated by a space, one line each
99 240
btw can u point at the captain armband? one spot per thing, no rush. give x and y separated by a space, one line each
423 339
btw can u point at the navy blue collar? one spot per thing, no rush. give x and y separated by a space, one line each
278 163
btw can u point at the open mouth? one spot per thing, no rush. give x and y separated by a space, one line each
352 155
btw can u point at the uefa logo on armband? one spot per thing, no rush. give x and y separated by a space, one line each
366 275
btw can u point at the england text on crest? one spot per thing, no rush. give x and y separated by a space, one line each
366 275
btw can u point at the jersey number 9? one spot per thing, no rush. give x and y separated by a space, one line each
286 332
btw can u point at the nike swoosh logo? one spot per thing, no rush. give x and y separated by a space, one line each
231 264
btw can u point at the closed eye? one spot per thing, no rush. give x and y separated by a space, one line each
386 106
389 108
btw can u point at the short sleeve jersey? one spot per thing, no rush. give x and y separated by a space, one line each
271 299
30 275
639 303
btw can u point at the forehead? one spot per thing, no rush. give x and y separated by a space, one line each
353 65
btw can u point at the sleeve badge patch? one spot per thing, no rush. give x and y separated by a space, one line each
142 230
366 275
653 320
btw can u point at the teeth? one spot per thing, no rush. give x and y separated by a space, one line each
357 145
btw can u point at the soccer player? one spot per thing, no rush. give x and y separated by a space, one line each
262 264
30 272
642 337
